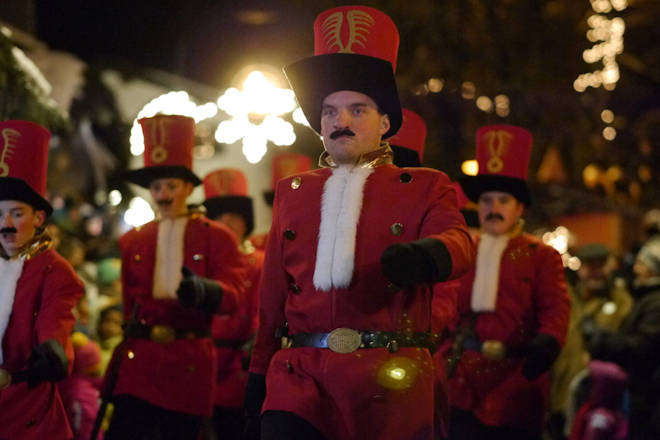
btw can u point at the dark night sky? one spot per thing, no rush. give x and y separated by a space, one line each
207 41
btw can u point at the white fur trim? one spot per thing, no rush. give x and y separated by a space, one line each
10 272
341 206
169 257
487 276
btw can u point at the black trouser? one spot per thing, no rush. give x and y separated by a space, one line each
228 423
465 426
283 425
136 419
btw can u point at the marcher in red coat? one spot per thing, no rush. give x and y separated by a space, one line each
353 251
166 376
38 289
513 306
227 202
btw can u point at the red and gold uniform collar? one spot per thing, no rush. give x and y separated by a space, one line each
381 156
36 245
190 214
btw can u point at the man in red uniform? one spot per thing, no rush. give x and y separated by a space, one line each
177 272
353 251
227 202
38 289
513 306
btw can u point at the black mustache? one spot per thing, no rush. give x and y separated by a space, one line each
8 231
164 202
345 132
493 216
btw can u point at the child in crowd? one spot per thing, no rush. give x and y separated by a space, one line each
109 332
80 391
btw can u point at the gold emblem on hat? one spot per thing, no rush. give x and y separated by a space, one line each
498 142
296 182
159 136
344 340
359 23
9 138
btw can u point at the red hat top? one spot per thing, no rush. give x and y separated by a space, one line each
168 150
225 182
24 153
503 150
168 140
356 29
412 133
286 164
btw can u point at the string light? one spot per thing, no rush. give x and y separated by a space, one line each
470 167
608 38
139 212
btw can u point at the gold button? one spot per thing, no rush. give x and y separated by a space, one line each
290 234
137 258
296 182
131 355
198 257
397 229
405 178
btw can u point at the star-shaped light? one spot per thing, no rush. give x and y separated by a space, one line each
256 112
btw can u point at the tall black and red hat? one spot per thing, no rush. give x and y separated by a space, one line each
355 48
168 150
24 163
408 143
225 190
503 157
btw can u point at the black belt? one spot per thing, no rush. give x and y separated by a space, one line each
346 340
163 334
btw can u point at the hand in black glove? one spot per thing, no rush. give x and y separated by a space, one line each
543 350
255 394
47 362
422 261
202 293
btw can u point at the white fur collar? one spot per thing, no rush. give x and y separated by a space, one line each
487 276
10 272
340 212
169 257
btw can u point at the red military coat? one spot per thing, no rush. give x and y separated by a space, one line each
179 375
45 294
340 394
531 299
237 328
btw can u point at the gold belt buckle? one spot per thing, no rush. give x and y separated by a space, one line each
344 340
163 334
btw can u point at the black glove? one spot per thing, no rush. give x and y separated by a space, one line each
255 394
422 261
47 362
543 350
202 293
